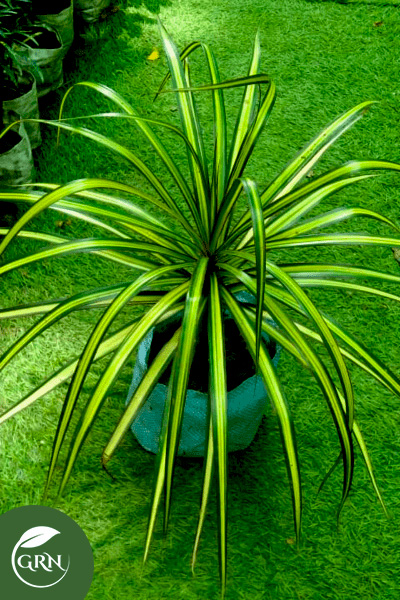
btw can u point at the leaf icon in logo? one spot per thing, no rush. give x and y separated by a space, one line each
36 536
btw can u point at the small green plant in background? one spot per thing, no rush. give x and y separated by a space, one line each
14 21
197 243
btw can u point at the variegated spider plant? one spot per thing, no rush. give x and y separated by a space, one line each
197 267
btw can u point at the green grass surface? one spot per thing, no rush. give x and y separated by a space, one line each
324 57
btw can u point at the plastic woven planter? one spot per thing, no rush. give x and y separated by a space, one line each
45 64
63 23
25 106
246 406
16 165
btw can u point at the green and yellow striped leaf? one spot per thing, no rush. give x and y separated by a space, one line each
144 389
112 370
219 411
180 372
276 395
87 356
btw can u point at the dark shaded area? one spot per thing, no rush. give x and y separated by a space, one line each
239 364
44 7
9 140
117 20
86 49
357 2
9 211
23 88
43 38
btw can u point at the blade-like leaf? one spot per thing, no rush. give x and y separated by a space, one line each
225 213
87 246
111 372
37 308
138 263
329 341
55 314
88 355
143 125
253 134
64 374
180 372
226 84
347 171
219 410
310 154
345 285
205 492
220 142
336 270
184 54
146 386
130 157
275 392
368 362
260 255
247 106
71 188
330 218
334 239
219 167
291 215
368 464
190 126
317 368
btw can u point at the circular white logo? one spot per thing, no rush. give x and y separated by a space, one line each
44 554
37 561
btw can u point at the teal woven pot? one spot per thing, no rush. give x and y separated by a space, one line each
246 405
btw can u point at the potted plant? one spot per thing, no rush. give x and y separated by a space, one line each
41 53
246 395
59 16
37 47
217 234
18 98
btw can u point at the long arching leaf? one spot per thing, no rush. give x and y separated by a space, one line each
276 395
111 372
144 389
180 373
87 356
219 411
190 125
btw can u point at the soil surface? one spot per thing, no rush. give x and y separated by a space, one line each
43 7
239 364
11 91
46 39
11 139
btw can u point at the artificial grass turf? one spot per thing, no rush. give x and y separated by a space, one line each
324 57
